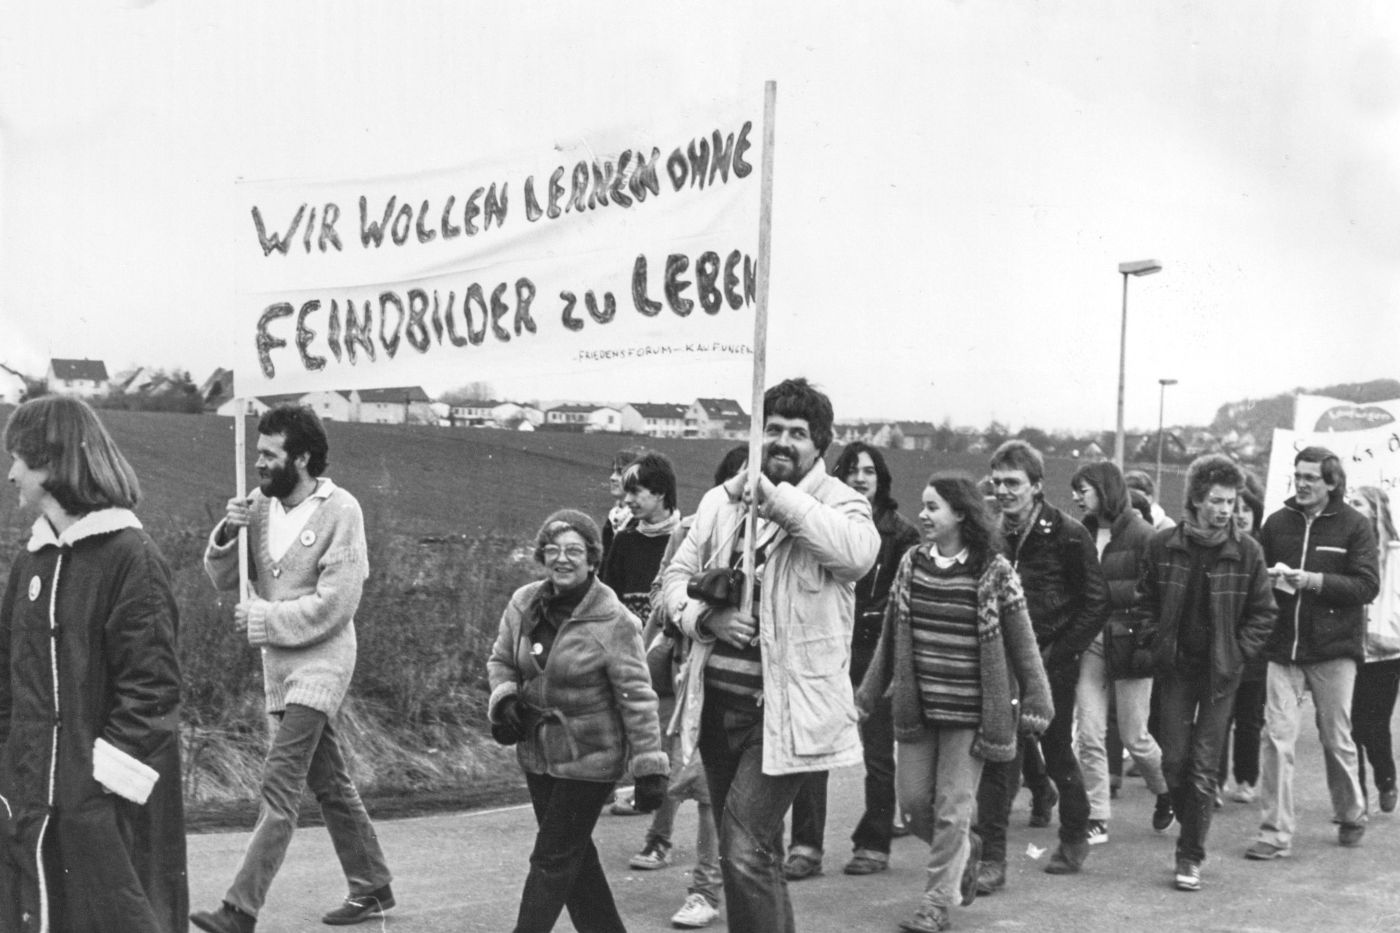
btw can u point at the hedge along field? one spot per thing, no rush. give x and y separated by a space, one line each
450 515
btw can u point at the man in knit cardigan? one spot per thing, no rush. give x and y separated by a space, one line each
306 537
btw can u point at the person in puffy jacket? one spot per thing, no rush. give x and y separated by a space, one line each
570 689
1121 536
1322 555
92 836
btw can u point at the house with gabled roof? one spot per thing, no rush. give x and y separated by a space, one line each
663 419
708 417
395 405
85 378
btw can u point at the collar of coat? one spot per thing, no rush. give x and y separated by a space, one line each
101 522
1229 548
598 603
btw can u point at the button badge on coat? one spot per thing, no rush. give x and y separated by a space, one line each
308 538
36 586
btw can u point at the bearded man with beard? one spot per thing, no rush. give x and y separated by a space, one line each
309 564
767 696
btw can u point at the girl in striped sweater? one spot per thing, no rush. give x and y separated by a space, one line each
959 660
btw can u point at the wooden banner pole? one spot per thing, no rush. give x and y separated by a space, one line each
240 472
760 338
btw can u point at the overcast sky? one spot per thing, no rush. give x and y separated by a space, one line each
955 182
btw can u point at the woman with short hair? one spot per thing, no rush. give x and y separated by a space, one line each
570 689
92 830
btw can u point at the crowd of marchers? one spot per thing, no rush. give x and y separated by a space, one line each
794 623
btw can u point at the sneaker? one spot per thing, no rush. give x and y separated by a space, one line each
1163 814
1388 800
1068 858
653 855
1098 832
967 886
867 862
226 919
1265 852
991 877
928 919
363 907
696 912
1043 806
1244 793
1188 875
1349 834
799 866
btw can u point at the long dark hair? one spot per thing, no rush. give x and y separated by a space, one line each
981 534
1107 482
846 464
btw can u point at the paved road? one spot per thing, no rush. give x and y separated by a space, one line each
463 872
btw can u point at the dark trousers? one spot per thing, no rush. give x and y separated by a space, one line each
999 782
1192 724
749 809
1247 721
1372 703
564 866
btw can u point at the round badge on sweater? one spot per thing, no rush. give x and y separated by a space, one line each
35 587
308 538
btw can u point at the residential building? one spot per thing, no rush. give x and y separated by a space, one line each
568 416
707 417
660 420
85 378
396 405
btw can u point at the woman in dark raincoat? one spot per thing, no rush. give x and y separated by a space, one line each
91 819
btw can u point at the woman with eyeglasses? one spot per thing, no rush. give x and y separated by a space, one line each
1377 680
570 689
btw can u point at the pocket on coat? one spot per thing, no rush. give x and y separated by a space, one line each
819 709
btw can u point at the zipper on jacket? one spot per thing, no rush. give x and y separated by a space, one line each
53 748
1298 602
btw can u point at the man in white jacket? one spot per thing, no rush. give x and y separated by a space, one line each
767 696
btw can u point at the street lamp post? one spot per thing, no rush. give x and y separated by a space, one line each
1137 267
1161 425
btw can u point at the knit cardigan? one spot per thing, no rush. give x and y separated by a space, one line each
303 617
1015 691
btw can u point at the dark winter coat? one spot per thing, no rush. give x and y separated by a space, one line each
1339 543
1065 589
1121 562
590 711
1242 608
88 651
897 535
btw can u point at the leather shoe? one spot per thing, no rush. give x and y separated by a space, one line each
867 863
226 919
1389 799
361 907
991 877
799 866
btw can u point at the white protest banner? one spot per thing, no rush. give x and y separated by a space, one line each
1321 413
1370 458
636 244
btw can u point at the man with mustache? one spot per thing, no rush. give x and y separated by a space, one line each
307 539
767 697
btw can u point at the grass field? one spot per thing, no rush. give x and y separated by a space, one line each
446 511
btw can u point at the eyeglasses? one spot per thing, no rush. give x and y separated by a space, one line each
571 551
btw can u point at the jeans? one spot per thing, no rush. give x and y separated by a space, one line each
1193 725
705 877
997 788
564 866
1372 703
1248 722
938 778
1331 684
306 752
809 816
751 806
1134 696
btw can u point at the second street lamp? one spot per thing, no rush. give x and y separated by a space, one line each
1161 425
1136 267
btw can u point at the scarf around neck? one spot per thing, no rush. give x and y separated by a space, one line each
1205 537
670 523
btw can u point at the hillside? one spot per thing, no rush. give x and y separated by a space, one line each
1261 416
